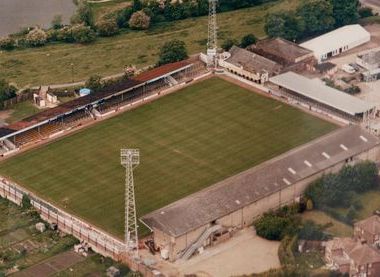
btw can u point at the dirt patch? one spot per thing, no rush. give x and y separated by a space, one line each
4 115
245 253
52 265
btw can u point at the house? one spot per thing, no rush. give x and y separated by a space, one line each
290 55
368 230
249 65
338 41
351 256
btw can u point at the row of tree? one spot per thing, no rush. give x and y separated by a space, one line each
314 17
337 189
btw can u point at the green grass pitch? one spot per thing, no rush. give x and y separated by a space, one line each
188 141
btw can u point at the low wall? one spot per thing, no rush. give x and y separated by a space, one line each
99 241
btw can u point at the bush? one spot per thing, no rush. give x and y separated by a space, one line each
65 34
25 202
82 34
36 37
228 43
52 35
83 15
248 40
94 83
365 12
172 51
7 43
272 226
287 249
312 231
123 17
56 23
139 21
337 190
107 28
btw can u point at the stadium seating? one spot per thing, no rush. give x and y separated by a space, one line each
50 128
26 137
75 118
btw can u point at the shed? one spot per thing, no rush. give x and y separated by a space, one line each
84 92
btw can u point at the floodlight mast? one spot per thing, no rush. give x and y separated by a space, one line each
130 159
212 41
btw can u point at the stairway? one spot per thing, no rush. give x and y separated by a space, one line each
205 235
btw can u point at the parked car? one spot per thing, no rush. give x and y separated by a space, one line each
348 69
355 66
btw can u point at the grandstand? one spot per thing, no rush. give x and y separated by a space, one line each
76 112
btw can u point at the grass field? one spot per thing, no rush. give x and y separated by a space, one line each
21 111
188 141
52 64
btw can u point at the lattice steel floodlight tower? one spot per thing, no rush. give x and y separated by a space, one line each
130 159
212 41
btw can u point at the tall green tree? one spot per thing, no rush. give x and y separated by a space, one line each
7 91
286 25
83 15
172 51
317 15
345 12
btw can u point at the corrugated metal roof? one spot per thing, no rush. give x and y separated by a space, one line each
318 91
346 35
238 191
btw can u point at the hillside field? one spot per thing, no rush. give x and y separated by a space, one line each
188 140
51 64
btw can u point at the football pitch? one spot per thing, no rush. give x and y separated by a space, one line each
188 140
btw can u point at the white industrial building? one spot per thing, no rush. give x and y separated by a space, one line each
337 41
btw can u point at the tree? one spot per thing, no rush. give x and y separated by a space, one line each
345 11
286 25
36 37
365 12
317 16
139 21
228 43
7 43
56 23
82 34
7 91
248 40
123 17
271 226
94 83
172 51
25 202
107 27
83 14
65 34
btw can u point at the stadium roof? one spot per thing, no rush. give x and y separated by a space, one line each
238 191
251 62
281 50
346 35
79 103
318 91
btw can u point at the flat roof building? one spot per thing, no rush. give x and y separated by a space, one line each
337 41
